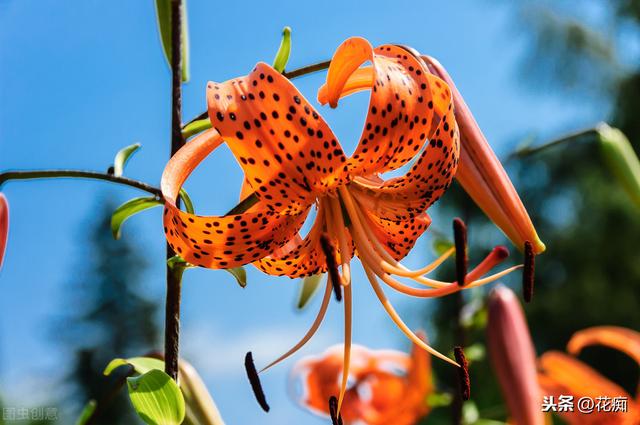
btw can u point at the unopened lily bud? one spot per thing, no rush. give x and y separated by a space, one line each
201 409
513 357
621 160
4 225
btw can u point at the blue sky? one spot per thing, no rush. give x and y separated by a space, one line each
81 80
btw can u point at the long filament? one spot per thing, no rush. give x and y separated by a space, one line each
347 344
398 321
312 330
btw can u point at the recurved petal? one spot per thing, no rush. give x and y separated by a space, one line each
621 339
401 106
563 375
482 175
4 225
286 149
219 241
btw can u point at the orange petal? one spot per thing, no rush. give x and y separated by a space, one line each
397 236
218 241
563 375
401 106
621 339
289 154
483 177
433 170
4 225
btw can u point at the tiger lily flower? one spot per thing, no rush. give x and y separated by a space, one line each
292 161
564 374
386 386
4 225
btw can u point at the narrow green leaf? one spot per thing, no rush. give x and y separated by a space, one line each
122 157
163 11
188 203
157 398
439 400
282 57
140 364
441 245
240 274
196 127
87 412
308 288
129 208
621 160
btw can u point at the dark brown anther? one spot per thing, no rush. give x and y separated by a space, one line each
254 380
460 241
111 170
528 275
336 418
332 266
463 373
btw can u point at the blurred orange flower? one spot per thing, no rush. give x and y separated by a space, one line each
385 386
562 374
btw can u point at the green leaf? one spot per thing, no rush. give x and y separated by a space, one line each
240 274
122 157
196 127
621 160
188 204
442 245
129 208
282 57
87 412
163 10
157 398
308 288
177 261
140 364
439 400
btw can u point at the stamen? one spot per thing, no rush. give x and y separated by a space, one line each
345 246
463 373
462 259
332 266
254 380
398 321
528 274
312 330
336 418
346 363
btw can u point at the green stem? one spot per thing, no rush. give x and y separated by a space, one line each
526 151
94 175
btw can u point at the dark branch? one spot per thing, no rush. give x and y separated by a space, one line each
94 175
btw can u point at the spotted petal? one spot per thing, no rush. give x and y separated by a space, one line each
288 152
401 107
219 241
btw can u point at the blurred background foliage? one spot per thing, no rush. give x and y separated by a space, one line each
590 273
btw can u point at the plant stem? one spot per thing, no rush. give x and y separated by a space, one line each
526 151
309 69
174 281
50 174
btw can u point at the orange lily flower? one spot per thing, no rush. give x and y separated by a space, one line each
292 161
564 374
386 386
4 225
